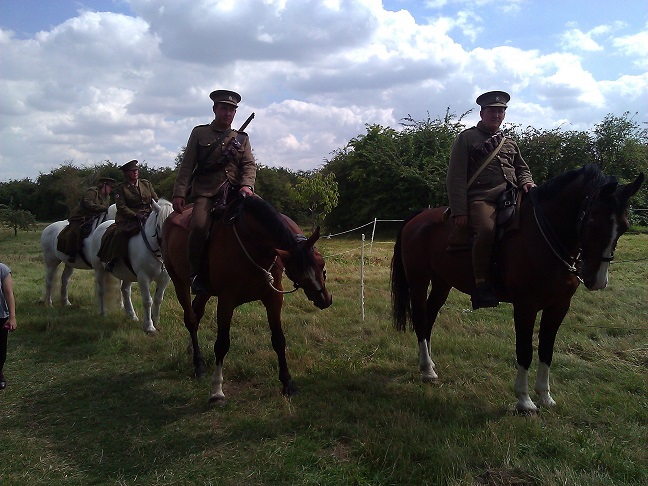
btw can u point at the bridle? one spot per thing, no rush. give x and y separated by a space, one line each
570 261
268 276
158 238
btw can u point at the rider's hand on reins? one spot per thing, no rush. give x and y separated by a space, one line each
178 204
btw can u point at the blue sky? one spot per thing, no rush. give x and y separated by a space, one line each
87 81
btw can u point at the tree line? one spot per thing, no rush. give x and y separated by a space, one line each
384 173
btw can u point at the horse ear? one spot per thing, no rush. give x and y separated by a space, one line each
624 192
313 238
283 254
156 206
608 189
629 190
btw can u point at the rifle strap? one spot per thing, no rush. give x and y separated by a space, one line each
488 160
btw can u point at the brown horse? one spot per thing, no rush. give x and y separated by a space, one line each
248 249
568 230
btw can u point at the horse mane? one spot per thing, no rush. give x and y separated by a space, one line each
591 174
271 221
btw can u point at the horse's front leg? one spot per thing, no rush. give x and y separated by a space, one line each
147 303
126 299
65 280
161 284
50 275
193 312
273 306
549 323
524 315
224 313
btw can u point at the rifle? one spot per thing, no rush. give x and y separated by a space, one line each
200 163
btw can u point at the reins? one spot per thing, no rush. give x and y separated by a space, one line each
268 276
550 237
554 242
156 253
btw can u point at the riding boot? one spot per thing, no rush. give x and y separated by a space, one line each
198 284
483 296
196 243
110 266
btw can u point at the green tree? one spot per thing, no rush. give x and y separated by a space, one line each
318 193
17 219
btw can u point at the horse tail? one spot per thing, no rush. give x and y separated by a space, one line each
400 292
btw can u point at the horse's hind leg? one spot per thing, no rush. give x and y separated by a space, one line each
65 280
424 313
549 324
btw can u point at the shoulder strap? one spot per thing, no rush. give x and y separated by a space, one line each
213 146
488 160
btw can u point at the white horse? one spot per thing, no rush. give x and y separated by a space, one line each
53 257
144 265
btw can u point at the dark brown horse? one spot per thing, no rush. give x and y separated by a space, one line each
248 249
568 230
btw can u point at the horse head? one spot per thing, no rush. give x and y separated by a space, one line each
602 221
305 267
162 209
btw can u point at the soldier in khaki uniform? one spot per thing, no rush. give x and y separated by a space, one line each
475 205
93 203
208 170
133 199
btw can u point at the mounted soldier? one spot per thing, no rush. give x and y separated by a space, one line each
133 199
94 202
483 163
217 165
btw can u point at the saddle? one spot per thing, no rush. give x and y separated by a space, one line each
226 202
507 219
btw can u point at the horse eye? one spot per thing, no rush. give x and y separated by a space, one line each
324 274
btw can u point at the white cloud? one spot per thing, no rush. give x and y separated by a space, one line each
112 86
634 46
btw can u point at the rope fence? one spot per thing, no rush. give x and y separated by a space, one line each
373 224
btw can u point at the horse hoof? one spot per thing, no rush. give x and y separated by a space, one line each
289 390
217 400
430 378
151 331
527 409
547 402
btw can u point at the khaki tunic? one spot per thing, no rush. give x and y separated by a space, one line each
241 170
130 200
133 198
507 166
92 204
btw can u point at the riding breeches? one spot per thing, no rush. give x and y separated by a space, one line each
482 222
198 231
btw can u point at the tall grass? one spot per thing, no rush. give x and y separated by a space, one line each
94 400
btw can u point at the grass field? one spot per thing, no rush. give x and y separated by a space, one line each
94 401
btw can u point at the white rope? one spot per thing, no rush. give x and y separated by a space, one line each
268 275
